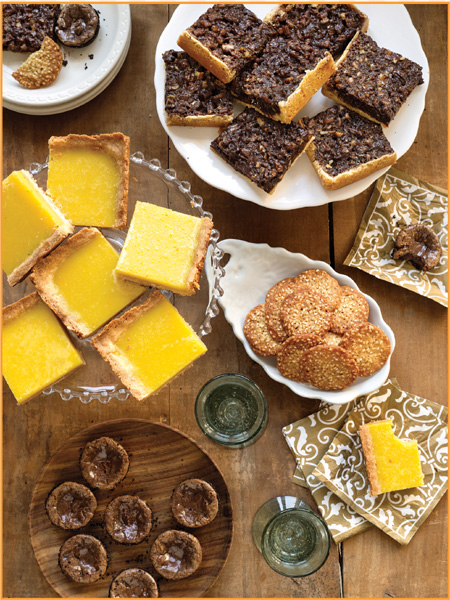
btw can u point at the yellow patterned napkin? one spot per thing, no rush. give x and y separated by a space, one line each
399 200
343 471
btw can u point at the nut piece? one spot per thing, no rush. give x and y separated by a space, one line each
42 67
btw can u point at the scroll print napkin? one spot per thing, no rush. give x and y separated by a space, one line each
399 200
308 440
343 471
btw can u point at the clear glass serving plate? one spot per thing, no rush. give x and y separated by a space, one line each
149 182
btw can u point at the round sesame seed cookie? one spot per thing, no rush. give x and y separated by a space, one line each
369 346
257 334
306 311
290 351
323 283
352 310
274 299
328 367
332 339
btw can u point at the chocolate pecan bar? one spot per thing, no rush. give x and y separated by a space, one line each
318 27
193 96
373 81
346 147
260 148
26 25
283 78
225 38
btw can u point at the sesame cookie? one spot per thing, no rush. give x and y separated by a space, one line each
290 351
257 333
306 311
328 367
42 67
369 346
351 311
323 283
274 299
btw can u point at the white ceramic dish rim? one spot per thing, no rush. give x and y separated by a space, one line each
290 193
361 386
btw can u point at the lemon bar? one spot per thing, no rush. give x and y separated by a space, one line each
37 351
149 345
165 249
78 282
88 178
392 464
31 225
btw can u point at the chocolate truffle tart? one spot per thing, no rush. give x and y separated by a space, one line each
194 503
71 505
133 583
83 558
104 463
128 520
176 554
77 25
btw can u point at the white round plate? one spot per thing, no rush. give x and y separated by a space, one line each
88 71
249 274
391 27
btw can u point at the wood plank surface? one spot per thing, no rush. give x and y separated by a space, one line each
372 565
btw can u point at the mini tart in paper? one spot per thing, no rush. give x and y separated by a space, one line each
399 200
343 470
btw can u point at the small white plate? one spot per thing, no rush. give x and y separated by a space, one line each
391 27
251 271
88 71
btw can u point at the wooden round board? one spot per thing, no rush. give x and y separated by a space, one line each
160 458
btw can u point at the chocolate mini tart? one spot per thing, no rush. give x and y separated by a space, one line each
104 463
83 558
260 148
77 25
133 583
71 505
346 147
176 554
225 39
193 96
26 25
194 503
419 244
318 27
128 520
282 79
373 81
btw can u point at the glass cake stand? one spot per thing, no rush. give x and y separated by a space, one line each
149 182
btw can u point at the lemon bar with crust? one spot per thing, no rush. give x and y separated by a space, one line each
165 249
31 225
78 282
392 464
149 345
88 178
37 351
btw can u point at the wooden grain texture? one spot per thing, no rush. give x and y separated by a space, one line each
160 459
372 564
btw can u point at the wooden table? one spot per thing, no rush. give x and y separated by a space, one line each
368 565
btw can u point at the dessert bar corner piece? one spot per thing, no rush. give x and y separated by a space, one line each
346 147
32 226
149 345
88 177
260 148
225 38
26 25
373 81
193 96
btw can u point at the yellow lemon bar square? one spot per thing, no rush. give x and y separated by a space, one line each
37 351
31 225
392 464
149 345
165 249
88 178
78 282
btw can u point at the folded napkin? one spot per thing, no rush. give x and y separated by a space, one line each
399 200
342 469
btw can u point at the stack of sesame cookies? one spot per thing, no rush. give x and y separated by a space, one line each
318 330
